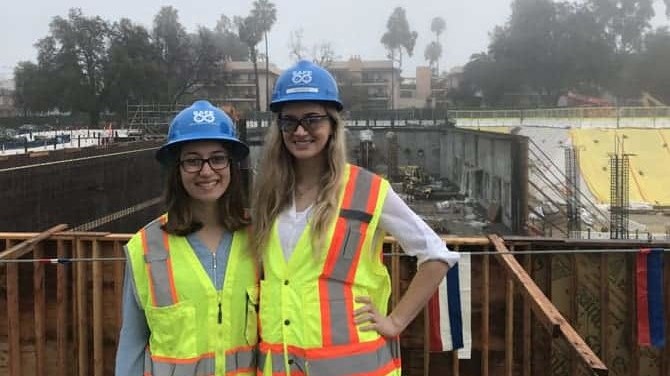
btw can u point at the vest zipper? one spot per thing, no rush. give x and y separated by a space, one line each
216 287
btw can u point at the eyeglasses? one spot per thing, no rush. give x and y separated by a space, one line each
216 163
289 124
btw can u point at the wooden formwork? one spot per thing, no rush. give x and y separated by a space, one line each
531 314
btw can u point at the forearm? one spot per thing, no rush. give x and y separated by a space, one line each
421 288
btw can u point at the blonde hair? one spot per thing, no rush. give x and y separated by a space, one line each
274 185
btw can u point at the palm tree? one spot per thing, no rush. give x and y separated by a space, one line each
437 26
249 33
433 53
265 14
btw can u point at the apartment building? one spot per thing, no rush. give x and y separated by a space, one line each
239 88
367 84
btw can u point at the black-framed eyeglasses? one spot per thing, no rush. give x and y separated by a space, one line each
216 163
310 122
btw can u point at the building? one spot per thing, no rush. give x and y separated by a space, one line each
7 98
367 84
238 87
415 91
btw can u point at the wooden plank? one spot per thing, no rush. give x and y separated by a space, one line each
395 274
574 308
604 307
486 309
426 341
98 350
39 299
13 318
549 281
527 322
81 302
119 268
545 310
509 325
665 364
455 362
24 247
632 296
62 290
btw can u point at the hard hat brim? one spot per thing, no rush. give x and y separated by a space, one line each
276 105
167 154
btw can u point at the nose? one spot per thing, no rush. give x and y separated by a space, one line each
206 169
300 129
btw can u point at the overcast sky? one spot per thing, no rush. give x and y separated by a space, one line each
353 27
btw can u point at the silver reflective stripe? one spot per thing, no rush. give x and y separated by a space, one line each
296 364
157 257
350 364
199 367
240 360
339 318
358 364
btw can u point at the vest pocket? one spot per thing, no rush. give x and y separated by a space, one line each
251 316
173 331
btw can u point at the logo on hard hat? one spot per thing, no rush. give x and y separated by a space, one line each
302 77
203 116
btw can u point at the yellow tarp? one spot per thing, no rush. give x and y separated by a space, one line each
649 162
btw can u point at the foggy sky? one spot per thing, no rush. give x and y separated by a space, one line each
353 27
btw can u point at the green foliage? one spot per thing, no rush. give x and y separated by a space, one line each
89 65
548 48
433 52
398 36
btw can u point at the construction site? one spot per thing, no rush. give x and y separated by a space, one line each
550 207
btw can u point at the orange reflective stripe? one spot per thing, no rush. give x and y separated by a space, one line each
331 261
336 295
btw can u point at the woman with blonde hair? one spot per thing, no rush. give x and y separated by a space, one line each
319 224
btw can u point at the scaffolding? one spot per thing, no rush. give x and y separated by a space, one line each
572 192
619 191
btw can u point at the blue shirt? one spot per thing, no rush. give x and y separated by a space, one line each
134 334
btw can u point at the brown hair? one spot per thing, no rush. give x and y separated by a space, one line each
177 201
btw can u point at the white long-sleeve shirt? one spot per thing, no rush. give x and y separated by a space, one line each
413 234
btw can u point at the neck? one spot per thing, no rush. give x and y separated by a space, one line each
207 213
309 172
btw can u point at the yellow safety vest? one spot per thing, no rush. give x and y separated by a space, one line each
307 303
195 330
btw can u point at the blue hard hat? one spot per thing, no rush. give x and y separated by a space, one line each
201 121
305 81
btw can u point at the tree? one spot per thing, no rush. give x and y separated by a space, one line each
133 71
31 92
251 34
432 54
437 26
228 40
323 54
75 55
265 14
172 42
652 76
398 37
295 45
624 21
